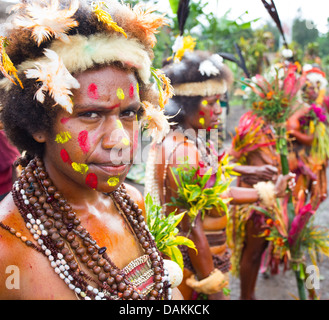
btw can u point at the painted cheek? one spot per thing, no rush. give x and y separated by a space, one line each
202 113
113 181
80 167
64 120
91 181
201 121
93 91
83 141
63 137
65 157
211 113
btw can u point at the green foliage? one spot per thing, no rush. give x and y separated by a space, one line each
194 192
164 230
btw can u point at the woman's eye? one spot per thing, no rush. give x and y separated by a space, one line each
90 115
129 113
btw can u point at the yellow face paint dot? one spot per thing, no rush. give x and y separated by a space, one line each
119 124
201 121
218 102
137 87
216 126
113 181
80 167
63 137
120 94
204 102
125 141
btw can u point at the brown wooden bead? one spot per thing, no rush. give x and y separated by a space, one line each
85 258
91 264
102 276
122 286
97 269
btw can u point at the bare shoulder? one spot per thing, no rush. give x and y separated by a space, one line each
12 250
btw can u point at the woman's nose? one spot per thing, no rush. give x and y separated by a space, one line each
115 136
217 108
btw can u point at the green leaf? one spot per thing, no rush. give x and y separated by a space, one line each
174 5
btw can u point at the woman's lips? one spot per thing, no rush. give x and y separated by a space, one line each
111 169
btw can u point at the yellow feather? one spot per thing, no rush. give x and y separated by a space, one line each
106 18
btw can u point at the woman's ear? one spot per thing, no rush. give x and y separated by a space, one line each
39 137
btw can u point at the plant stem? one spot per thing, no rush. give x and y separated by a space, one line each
283 151
300 286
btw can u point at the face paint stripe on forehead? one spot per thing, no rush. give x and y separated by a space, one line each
120 94
93 91
131 91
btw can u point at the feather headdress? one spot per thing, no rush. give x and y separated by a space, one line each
148 21
55 79
273 12
7 68
46 19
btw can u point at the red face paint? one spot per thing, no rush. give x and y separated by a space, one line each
93 91
131 91
65 156
201 113
211 113
64 120
84 141
91 180
115 106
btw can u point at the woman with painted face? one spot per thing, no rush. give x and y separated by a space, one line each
72 88
199 80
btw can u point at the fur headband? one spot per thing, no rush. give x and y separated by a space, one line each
81 53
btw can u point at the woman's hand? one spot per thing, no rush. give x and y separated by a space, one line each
283 183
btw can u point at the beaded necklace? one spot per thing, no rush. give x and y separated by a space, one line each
66 243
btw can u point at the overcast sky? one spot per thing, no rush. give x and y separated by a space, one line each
313 10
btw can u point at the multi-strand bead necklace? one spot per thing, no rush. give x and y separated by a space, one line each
66 243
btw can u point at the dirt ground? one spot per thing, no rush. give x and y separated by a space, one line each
282 286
